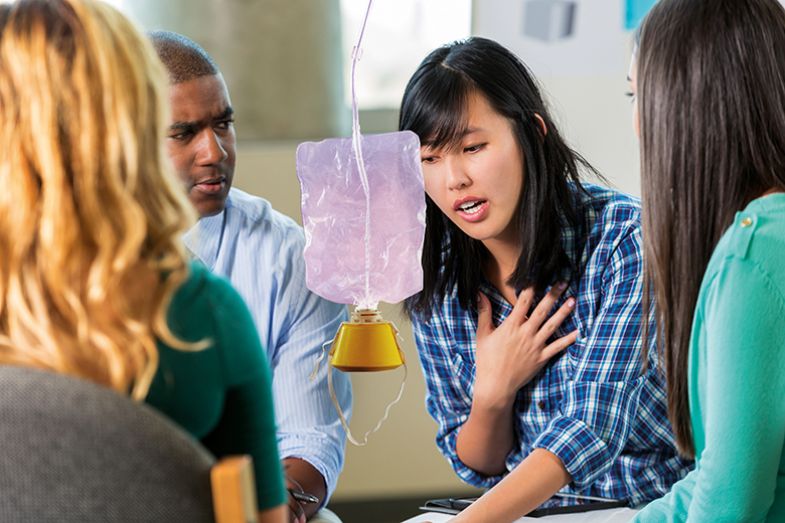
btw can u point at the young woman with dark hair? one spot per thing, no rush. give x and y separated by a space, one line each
529 324
710 84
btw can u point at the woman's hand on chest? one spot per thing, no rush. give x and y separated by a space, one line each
510 355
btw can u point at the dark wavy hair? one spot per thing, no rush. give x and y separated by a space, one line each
711 86
434 107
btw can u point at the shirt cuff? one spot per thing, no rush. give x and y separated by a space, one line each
585 456
326 459
469 476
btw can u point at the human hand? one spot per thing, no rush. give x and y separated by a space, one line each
510 355
306 488
296 509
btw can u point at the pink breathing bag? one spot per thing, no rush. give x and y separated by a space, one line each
363 250
363 206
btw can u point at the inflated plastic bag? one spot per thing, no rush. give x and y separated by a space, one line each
363 205
363 250
363 209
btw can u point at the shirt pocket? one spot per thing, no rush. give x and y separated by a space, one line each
540 400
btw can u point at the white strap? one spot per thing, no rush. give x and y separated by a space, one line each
349 435
318 363
334 398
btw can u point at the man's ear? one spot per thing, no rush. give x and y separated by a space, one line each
542 124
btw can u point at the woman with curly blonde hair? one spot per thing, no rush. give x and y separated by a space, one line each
94 281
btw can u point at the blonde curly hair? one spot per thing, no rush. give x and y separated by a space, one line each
91 214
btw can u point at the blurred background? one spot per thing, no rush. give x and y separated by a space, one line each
286 63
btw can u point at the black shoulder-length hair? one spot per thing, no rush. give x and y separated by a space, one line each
711 98
434 107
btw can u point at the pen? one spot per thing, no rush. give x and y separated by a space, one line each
303 497
581 496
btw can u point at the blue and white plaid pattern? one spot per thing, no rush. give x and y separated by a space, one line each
593 406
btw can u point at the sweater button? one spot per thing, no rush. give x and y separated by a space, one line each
746 222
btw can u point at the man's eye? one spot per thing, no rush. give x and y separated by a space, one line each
428 159
224 125
181 137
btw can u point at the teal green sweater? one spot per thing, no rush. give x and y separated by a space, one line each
737 379
221 395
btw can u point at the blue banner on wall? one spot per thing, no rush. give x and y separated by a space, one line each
635 11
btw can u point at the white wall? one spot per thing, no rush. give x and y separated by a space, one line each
584 76
595 116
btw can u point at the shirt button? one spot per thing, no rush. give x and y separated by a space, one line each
541 405
746 222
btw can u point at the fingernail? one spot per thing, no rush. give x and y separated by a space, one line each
561 285
571 302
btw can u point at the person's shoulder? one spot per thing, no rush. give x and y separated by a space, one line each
256 211
202 288
262 230
756 236
612 217
443 313
202 303
746 265
191 288
208 307
611 206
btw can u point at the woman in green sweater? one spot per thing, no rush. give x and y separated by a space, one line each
94 281
710 85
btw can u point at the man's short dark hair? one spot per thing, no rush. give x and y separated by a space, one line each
183 58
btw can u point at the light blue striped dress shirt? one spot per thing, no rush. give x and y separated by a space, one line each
261 252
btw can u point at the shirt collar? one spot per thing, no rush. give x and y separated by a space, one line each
204 239
573 240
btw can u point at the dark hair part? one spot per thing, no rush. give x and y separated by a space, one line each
711 85
182 57
434 107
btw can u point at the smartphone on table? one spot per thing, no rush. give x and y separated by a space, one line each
585 504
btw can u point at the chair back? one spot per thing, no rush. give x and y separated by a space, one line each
73 451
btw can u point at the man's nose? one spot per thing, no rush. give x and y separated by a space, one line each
211 150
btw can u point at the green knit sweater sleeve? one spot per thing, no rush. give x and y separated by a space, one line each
744 416
247 423
737 381
220 394
672 507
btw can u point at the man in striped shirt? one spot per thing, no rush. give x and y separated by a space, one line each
242 238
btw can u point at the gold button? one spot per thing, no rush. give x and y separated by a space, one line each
746 222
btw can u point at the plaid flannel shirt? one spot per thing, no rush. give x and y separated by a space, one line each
593 406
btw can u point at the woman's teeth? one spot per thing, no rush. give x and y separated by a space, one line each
471 207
